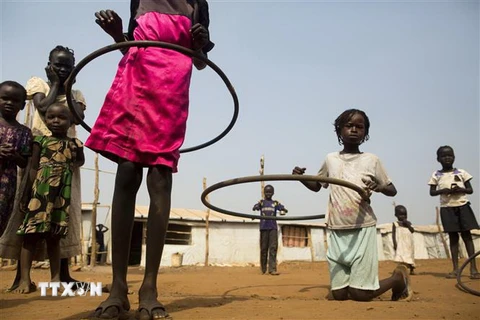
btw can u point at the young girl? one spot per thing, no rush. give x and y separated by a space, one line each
402 235
61 61
453 185
352 243
142 124
15 145
46 199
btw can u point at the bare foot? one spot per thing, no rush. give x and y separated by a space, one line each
25 287
403 291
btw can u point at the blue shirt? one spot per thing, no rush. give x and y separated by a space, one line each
268 208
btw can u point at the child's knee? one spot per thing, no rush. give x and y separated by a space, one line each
340 294
360 295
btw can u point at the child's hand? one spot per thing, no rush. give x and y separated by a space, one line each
111 23
199 36
52 76
372 184
6 151
298 170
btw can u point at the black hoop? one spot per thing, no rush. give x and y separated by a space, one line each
165 45
276 177
459 275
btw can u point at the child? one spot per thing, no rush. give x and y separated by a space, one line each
453 185
402 234
142 124
269 230
61 61
46 199
15 145
352 243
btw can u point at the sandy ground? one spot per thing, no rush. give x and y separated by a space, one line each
299 292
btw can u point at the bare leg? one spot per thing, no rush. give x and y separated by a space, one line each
16 281
396 282
467 239
454 237
127 182
159 184
26 258
53 248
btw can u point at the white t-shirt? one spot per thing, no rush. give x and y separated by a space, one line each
346 209
38 85
445 180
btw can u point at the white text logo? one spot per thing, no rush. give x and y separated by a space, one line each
71 289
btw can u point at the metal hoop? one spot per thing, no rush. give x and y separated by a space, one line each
165 45
277 177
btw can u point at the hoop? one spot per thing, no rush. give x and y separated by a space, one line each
159 44
459 275
276 177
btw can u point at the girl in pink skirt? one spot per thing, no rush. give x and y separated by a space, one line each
142 124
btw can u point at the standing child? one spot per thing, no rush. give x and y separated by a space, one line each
61 61
352 243
453 185
269 230
402 235
46 199
142 124
15 145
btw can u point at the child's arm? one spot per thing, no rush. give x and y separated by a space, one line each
257 206
31 176
312 185
20 160
388 189
42 101
467 190
79 110
394 236
80 157
436 192
199 40
407 224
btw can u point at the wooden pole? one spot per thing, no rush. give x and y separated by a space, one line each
442 235
262 171
93 253
207 225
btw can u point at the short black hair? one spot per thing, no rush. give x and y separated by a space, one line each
269 186
400 207
16 85
342 120
61 49
441 148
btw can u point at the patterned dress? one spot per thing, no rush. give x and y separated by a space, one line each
48 209
20 137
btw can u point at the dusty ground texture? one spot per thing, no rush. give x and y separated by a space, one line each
299 292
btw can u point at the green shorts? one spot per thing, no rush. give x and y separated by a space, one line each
353 258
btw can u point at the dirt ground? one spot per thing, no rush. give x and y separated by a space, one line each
299 292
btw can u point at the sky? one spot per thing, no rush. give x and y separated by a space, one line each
413 67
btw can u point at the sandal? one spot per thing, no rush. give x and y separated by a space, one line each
451 275
475 276
118 309
152 310
407 293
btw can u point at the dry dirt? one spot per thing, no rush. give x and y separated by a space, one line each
299 292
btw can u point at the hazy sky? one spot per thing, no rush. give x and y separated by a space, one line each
413 67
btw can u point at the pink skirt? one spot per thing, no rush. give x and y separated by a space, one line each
143 118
